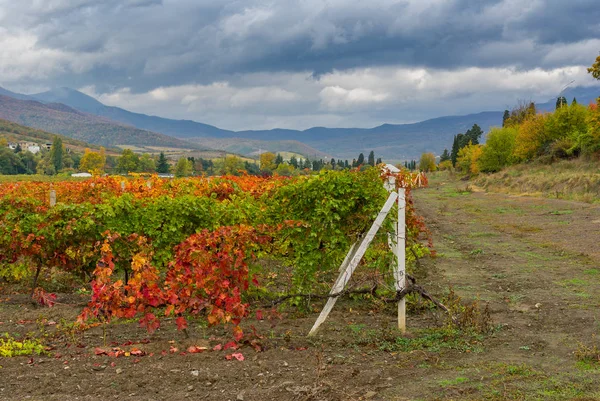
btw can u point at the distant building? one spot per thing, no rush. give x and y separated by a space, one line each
84 175
33 149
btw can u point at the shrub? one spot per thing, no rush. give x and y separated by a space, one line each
498 150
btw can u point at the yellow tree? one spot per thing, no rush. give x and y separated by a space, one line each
93 162
468 158
267 161
595 68
531 137
427 162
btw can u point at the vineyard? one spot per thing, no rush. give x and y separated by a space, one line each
155 248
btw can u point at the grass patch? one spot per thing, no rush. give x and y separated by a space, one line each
436 340
10 347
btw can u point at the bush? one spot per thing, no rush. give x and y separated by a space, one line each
498 150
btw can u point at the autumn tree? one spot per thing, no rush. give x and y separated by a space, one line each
232 165
427 162
147 164
595 68
468 158
93 162
267 161
531 137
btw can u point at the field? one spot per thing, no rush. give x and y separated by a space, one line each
534 261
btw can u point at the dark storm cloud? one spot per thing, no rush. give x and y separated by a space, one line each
173 42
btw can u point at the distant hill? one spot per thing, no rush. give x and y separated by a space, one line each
18 133
392 142
63 119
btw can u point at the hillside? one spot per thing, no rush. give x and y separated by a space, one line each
18 133
393 142
62 119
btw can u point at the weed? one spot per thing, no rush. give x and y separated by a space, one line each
10 347
587 353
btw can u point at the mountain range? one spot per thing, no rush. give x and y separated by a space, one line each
75 114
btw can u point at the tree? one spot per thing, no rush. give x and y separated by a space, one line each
56 153
183 168
371 159
232 165
560 102
360 160
427 162
129 162
455 148
162 167
147 164
278 159
468 158
267 161
595 68
505 117
10 162
294 161
379 161
18 149
498 150
531 137
445 156
574 101
472 136
93 162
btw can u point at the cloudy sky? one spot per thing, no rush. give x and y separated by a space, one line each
256 64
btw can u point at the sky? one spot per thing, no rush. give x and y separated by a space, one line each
257 64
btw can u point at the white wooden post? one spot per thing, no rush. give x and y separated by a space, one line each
399 250
52 198
345 275
123 186
400 270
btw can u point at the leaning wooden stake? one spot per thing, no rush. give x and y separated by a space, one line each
52 198
355 259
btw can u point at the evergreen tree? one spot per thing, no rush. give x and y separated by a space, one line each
360 160
56 153
505 117
574 101
455 149
346 164
445 156
18 148
354 164
162 166
371 159
378 161
472 136
278 160
560 102
332 162
294 162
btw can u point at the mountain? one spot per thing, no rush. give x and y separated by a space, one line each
392 142
62 119
85 103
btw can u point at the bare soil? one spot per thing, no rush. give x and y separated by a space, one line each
535 261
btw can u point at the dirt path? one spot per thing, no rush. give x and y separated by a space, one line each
536 261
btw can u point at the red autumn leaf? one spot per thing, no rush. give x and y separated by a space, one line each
194 349
100 351
137 352
217 347
238 333
181 323
231 344
236 355
259 315
173 350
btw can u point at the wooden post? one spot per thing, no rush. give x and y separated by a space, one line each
400 268
52 198
123 186
355 259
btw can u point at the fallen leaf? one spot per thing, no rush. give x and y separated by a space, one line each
217 347
194 349
236 355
